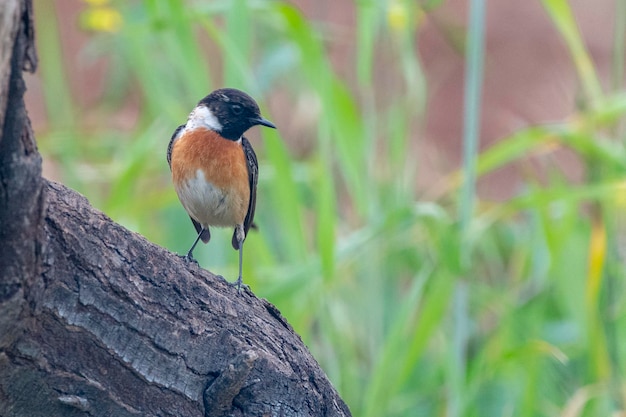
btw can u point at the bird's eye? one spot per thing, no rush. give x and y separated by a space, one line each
237 109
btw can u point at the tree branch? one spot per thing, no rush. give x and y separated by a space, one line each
95 320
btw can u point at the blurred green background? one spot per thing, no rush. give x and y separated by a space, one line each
440 210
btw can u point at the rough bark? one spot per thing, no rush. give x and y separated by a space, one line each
95 320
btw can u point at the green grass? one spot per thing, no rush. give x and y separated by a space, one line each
451 306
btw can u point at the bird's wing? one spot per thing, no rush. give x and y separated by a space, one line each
171 144
253 177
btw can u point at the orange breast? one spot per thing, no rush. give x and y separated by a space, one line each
211 178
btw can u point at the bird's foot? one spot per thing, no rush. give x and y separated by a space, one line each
189 258
238 284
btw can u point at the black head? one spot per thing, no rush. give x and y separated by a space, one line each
234 111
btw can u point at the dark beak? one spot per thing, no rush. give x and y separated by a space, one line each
263 122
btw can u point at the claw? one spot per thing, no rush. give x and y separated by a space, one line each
188 258
239 284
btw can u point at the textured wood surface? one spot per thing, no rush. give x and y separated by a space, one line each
97 321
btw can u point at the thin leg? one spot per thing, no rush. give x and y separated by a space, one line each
240 238
240 278
190 253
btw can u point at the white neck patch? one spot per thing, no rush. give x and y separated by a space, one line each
201 116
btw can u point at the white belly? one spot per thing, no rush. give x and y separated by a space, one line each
207 204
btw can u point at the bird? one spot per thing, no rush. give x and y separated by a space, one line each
214 168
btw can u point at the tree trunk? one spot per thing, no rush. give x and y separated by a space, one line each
95 320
